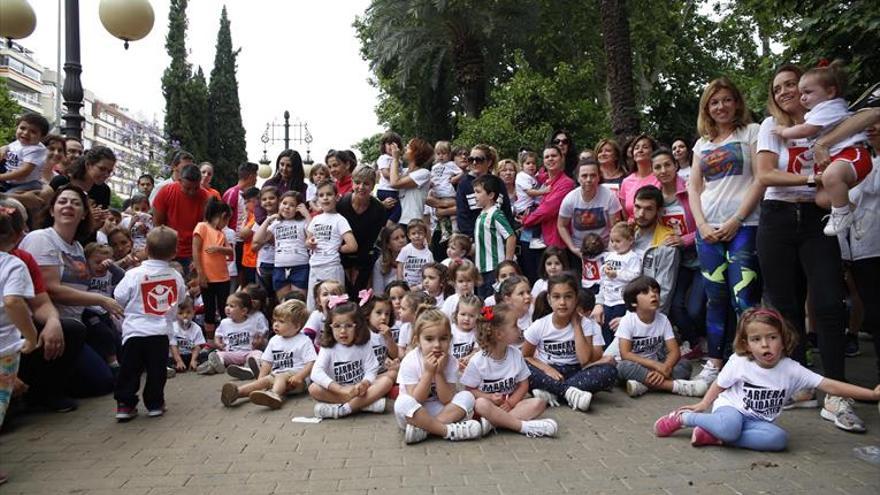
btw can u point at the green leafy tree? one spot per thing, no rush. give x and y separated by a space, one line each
198 110
528 107
176 79
9 111
369 148
226 135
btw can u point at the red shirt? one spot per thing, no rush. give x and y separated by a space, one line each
344 186
33 269
182 213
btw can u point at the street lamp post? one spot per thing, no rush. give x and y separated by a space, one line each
128 20
72 90
301 134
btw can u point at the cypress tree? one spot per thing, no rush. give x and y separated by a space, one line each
176 79
197 115
226 136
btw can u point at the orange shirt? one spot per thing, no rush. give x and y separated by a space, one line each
249 257
213 264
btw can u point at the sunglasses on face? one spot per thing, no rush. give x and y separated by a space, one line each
476 159
560 141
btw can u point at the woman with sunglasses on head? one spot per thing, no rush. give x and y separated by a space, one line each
481 161
563 140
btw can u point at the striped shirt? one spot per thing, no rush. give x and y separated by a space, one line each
490 231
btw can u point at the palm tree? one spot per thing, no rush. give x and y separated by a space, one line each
619 62
438 40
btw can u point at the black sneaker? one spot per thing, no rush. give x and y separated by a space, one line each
852 345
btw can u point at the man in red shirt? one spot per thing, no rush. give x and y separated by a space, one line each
181 206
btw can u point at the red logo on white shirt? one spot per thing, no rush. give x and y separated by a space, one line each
159 296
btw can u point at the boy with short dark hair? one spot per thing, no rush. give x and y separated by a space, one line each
649 355
494 239
25 157
149 294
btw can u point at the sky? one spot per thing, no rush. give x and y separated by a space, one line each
296 55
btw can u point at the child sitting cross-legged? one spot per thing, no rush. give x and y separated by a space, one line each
236 338
650 358
285 365
499 378
344 377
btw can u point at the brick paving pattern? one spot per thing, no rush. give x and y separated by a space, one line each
201 447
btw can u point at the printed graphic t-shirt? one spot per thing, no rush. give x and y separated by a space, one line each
759 392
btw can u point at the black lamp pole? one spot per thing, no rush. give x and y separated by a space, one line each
286 130
72 91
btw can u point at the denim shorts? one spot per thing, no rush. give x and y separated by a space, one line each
297 276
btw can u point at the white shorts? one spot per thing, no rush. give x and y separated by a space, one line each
406 406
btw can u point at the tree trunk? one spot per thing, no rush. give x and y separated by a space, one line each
619 73
470 76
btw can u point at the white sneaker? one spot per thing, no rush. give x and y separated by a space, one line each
464 430
635 388
838 223
205 369
709 373
325 410
839 410
690 388
578 399
486 426
414 434
170 372
216 362
546 396
240 372
540 428
377 407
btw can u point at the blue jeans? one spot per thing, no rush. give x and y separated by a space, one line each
393 213
592 379
297 276
610 313
731 427
730 272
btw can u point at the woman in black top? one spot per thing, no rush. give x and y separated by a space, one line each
366 215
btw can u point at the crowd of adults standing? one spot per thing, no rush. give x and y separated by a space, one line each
746 226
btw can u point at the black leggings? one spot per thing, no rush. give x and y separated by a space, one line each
795 255
214 296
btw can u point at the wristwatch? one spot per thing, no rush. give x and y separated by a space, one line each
811 180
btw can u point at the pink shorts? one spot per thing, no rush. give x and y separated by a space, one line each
857 156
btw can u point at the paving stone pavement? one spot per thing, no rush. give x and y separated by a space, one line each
201 447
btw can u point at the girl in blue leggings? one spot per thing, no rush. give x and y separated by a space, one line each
753 387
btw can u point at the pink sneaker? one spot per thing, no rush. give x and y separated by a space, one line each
701 437
667 425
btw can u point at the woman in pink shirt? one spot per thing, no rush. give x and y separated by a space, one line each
547 212
643 146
